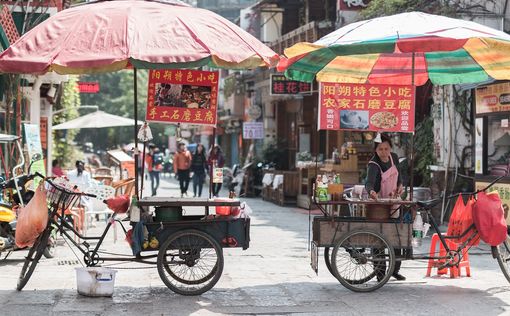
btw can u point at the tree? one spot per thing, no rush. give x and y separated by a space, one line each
63 148
116 97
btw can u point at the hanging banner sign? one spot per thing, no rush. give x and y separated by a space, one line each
348 106
253 130
493 98
88 87
183 96
280 85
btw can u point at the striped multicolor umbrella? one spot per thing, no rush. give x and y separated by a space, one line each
390 50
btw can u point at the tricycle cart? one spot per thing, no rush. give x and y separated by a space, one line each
361 253
188 249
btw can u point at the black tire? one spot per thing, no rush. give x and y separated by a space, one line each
32 258
503 257
327 259
51 247
359 257
195 265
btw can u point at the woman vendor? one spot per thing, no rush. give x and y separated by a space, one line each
384 181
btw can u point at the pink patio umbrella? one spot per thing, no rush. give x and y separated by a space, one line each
108 36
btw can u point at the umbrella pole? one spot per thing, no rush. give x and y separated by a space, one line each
211 168
135 88
411 181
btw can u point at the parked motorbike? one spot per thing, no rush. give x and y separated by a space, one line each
19 197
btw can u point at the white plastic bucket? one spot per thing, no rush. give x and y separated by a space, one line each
95 281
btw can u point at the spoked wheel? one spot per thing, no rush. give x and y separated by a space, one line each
51 247
363 261
32 258
503 256
327 259
190 262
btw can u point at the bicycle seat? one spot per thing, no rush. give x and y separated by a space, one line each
428 204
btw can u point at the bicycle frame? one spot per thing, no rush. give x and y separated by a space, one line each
92 257
442 238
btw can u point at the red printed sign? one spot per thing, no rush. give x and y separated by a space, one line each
183 96
347 106
88 87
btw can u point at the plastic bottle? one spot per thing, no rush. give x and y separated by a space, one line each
417 230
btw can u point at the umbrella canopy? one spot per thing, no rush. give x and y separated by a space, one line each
389 50
112 35
96 119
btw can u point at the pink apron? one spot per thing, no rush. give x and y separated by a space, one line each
389 181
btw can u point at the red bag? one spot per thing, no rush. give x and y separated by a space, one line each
465 221
489 218
32 219
453 223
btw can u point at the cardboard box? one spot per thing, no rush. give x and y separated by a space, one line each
334 188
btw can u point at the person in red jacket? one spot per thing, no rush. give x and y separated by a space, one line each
182 164
154 162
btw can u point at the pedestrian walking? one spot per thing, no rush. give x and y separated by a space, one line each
154 162
216 160
182 163
198 167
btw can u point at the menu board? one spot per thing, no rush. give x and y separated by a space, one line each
493 98
183 96
348 106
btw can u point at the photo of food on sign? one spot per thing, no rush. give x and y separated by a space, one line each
182 96
384 120
353 119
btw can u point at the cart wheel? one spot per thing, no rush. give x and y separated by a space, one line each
190 262
503 257
363 261
327 259
34 254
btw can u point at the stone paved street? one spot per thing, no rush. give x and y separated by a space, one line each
272 277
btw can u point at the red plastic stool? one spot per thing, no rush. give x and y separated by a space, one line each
435 263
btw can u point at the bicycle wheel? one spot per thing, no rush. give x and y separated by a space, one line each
503 257
51 247
32 258
327 259
190 262
360 256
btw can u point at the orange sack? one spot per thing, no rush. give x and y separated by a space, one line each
32 219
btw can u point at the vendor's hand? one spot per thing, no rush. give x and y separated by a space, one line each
400 189
373 194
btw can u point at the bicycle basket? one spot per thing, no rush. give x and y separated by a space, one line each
60 197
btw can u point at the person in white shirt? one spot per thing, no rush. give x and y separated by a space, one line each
83 180
79 176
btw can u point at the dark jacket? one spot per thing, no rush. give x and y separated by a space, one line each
198 163
374 173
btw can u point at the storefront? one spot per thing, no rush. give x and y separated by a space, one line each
492 139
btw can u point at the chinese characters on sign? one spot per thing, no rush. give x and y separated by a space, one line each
183 96
253 130
88 87
347 106
281 85
493 98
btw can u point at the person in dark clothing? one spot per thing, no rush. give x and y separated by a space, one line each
384 181
198 167
216 160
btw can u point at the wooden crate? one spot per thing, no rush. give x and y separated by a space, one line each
328 232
